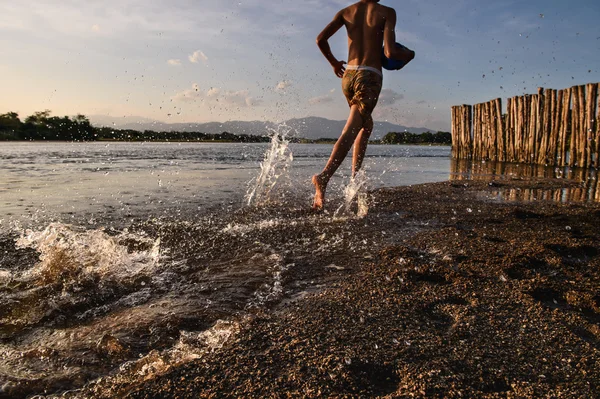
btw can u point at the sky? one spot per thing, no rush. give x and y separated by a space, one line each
205 60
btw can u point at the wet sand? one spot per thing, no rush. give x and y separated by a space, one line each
488 298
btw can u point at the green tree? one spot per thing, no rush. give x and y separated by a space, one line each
10 126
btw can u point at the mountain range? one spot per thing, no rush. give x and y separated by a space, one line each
310 127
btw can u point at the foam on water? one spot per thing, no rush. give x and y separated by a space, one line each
273 169
68 254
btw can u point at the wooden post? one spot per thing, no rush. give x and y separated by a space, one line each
526 113
513 138
454 133
533 107
542 158
470 129
520 129
598 135
461 130
501 148
482 132
582 141
479 122
490 131
465 129
482 121
492 124
555 115
474 143
540 154
574 126
539 126
590 116
509 130
564 127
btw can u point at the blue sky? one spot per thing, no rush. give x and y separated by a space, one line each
201 60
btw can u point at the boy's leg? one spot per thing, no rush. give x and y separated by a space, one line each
360 145
340 150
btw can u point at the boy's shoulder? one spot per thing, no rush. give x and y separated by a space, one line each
386 9
351 9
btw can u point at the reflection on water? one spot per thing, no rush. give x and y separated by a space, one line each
583 183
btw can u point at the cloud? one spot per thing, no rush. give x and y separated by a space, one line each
253 102
389 97
320 100
198 56
174 62
217 97
284 84
213 92
190 95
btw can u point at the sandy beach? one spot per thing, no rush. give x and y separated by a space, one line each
488 298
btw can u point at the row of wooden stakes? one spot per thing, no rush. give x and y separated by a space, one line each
552 127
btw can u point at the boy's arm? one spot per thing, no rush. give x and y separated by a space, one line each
389 40
389 34
334 26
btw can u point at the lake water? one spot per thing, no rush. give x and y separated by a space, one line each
96 181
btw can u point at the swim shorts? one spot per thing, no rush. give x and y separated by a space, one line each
362 86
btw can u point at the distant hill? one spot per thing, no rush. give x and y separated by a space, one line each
310 127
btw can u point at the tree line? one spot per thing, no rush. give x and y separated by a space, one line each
42 126
414 138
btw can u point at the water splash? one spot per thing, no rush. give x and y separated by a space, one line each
273 169
355 189
68 254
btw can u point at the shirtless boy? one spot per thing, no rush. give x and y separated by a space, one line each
370 26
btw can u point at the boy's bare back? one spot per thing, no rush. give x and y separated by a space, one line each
365 24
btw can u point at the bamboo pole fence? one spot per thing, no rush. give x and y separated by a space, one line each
551 127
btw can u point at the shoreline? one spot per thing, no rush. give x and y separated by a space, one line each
486 298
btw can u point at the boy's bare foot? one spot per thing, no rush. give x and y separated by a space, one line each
320 186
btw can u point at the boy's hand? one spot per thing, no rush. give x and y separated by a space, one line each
338 68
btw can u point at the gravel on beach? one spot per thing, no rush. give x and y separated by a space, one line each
489 299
